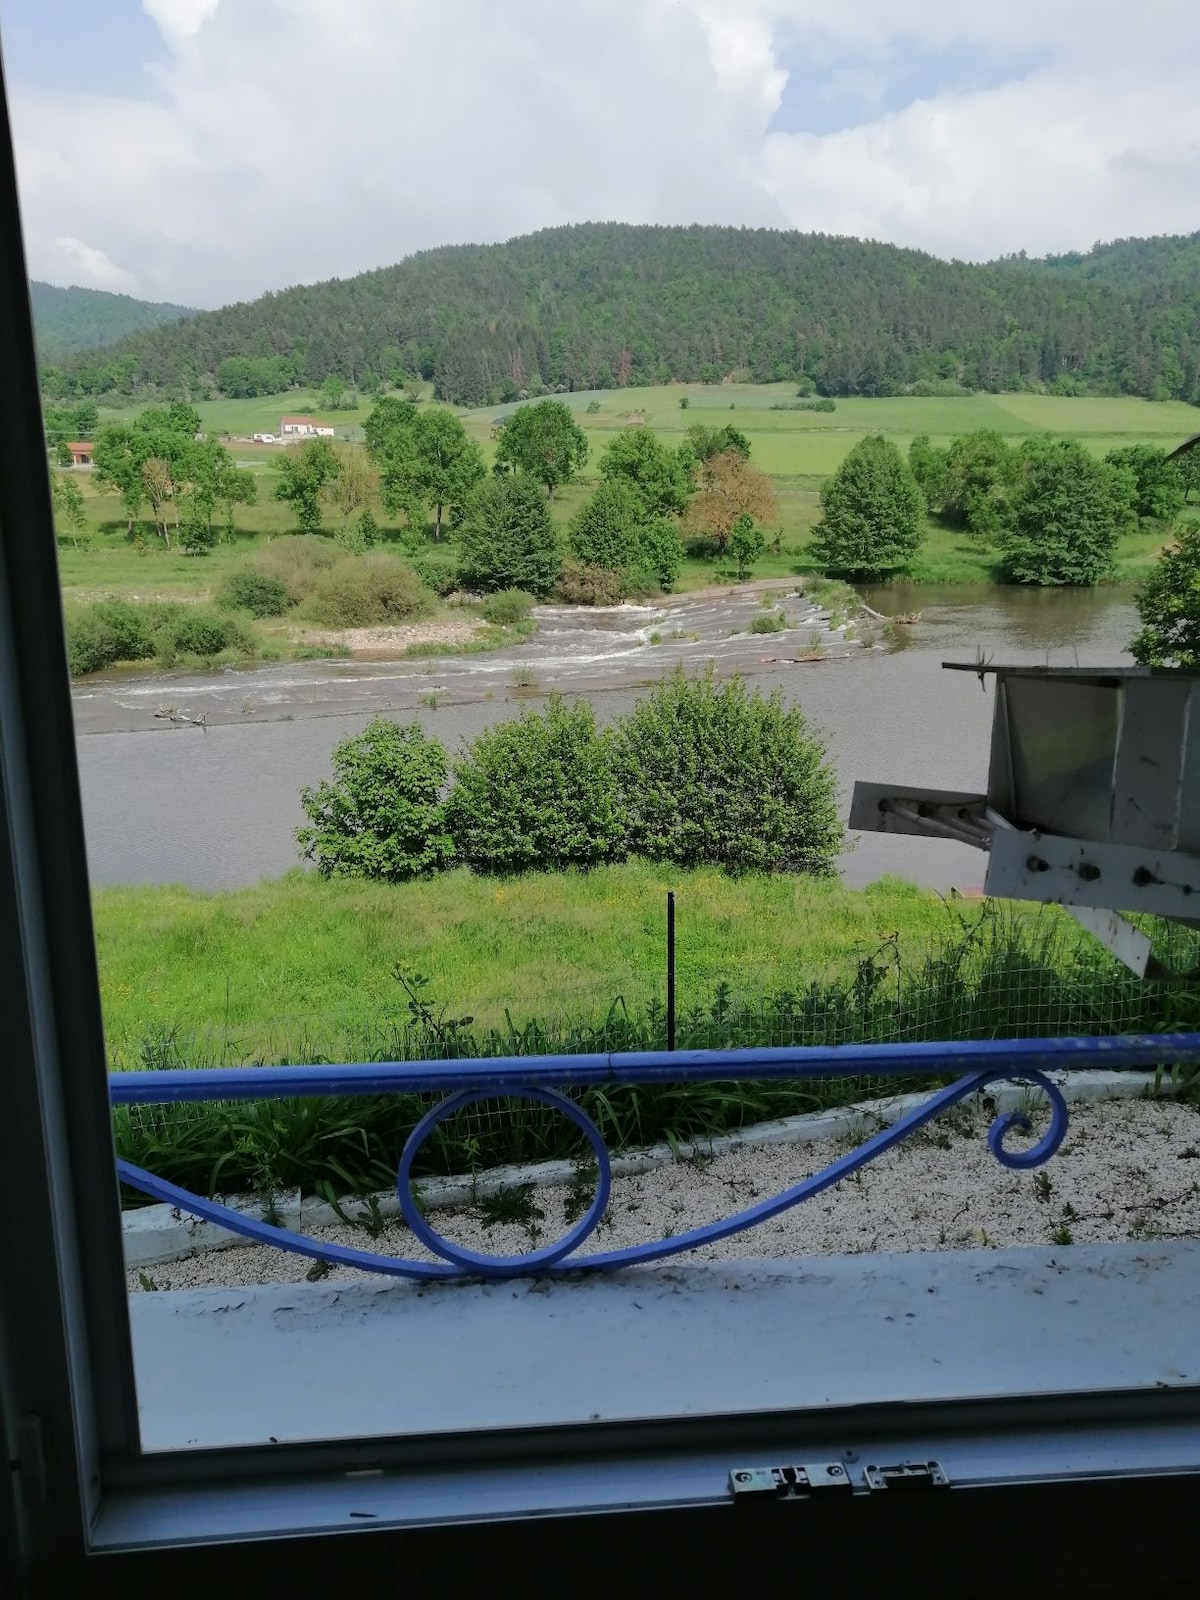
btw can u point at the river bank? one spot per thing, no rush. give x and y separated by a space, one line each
212 802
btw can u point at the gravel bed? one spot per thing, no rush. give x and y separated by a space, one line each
1126 1170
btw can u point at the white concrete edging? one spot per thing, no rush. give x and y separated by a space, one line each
157 1234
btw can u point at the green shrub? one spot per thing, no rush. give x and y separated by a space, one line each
746 544
537 793
297 560
383 815
720 775
1168 604
197 537
197 631
772 622
109 631
660 551
369 591
251 589
580 585
435 573
507 607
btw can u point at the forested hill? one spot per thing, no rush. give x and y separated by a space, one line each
68 320
597 305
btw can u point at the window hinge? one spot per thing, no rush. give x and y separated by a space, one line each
789 1483
29 1464
907 1475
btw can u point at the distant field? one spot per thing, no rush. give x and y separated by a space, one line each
799 449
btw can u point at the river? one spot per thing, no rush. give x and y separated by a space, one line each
215 807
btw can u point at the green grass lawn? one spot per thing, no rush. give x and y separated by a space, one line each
299 958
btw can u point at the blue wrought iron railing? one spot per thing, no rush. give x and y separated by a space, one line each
544 1078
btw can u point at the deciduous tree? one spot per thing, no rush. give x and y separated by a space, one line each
543 440
1158 488
872 521
657 474
727 487
1168 603
1064 515
303 474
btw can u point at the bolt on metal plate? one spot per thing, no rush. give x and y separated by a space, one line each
788 1482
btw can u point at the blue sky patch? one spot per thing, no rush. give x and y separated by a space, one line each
99 46
824 96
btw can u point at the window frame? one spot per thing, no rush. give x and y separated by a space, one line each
67 1391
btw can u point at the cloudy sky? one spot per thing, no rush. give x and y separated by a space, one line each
207 150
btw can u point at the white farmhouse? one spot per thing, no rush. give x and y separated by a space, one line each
304 428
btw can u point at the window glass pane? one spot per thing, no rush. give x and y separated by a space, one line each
474 653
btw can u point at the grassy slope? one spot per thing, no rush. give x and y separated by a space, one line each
289 959
797 448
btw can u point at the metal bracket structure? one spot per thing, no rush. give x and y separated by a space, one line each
789 1483
1092 881
756 1485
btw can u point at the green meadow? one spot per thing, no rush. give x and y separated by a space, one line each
301 959
797 449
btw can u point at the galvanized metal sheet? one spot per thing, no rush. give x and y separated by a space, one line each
1086 872
1063 742
1145 802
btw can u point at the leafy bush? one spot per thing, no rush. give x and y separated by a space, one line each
1159 490
383 815
435 574
580 585
297 560
746 544
367 592
109 631
197 537
772 622
1169 605
507 540
821 404
720 775
197 631
507 607
537 793
251 589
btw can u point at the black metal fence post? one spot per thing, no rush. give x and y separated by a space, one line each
670 969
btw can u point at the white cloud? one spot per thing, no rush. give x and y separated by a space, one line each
180 18
290 140
90 268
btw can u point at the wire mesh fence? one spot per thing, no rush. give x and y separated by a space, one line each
1001 974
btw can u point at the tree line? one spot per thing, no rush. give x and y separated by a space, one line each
608 305
1049 509
161 461
629 537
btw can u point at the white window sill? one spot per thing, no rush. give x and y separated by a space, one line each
251 1366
